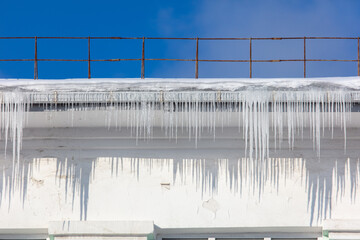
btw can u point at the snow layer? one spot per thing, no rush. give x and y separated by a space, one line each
180 84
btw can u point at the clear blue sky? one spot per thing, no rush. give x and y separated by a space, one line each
185 18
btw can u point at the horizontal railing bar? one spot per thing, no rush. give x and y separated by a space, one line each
130 38
17 37
258 38
330 38
205 38
279 38
62 60
331 60
168 38
16 60
302 38
223 60
224 38
279 60
62 37
115 60
307 60
176 59
170 59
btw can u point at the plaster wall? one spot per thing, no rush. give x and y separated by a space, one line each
73 167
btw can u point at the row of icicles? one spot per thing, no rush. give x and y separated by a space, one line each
260 114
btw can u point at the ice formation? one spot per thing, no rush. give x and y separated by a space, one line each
282 113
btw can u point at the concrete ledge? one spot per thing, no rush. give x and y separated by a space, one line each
342 225
342 229
344 236
101 228
23 233
239 232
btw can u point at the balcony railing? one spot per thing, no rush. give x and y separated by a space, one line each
196 60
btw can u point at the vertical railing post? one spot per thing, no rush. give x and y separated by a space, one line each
304 57
35 62
89 60
143 59
250 58
197 59
358 57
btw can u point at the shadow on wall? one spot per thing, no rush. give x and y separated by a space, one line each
324 178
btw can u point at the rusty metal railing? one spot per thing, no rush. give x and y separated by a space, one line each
196 60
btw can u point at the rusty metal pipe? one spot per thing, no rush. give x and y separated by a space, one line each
17 60
117 59
358 53
143 59
62 60
250 59
197 59
304 57
169 38
35 62
175 59
89 60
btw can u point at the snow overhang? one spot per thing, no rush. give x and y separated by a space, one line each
112 91
181 84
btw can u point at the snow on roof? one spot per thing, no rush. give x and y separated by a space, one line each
180 84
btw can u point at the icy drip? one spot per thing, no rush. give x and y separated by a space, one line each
13 109
264 117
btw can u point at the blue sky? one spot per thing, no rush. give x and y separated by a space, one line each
185 18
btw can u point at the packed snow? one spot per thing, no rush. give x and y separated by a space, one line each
180 84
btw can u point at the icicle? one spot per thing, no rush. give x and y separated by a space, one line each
257 112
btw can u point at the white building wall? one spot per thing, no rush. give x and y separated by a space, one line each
93 173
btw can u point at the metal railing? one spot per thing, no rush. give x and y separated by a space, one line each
196 60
